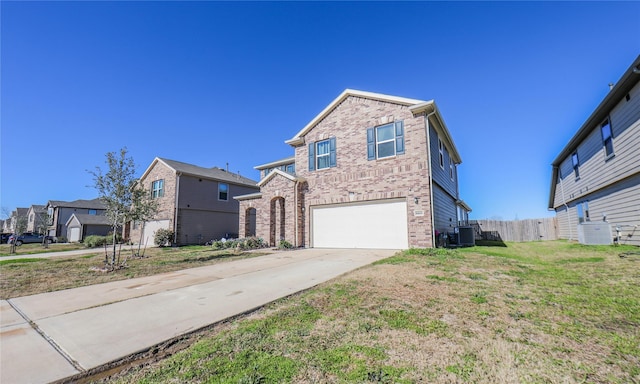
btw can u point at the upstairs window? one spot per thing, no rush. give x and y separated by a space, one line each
575 161
223 191
451 169
322 154
93 212
291 168
441 153
157 189
385 141
607 138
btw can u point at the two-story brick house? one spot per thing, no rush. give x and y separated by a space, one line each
195 202
596 176
370 171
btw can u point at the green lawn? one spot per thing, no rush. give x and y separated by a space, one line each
543 312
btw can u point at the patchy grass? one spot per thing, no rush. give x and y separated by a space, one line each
29 276
540 312
32 249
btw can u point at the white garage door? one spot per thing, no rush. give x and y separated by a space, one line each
380 225
74 234
150 228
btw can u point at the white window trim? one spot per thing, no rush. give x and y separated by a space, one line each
393 139
441 152
157 192
327 155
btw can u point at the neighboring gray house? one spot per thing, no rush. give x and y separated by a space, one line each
37 219
196 203
81 225
370 171
596 177
59 213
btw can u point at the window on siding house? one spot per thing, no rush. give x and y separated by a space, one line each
450 169
157 189
322 154
385 141
576 164
580 213
291 168
441 153
607 138
93 212
223 191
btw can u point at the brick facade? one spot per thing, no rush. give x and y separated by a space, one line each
354 179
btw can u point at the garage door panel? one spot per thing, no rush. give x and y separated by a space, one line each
374 225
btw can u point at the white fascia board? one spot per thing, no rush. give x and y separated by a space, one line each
273 173
288 160
297 139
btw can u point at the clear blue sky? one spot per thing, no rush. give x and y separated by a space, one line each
210 83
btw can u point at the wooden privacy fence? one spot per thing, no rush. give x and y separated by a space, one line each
516 230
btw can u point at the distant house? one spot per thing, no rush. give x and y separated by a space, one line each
596 177
369 171
17 219
196 203
81 225
37 219
59 213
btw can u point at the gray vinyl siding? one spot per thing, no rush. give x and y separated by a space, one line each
444 212
596 171
200 226
441 176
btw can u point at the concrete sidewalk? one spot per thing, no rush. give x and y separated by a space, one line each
53 336
75 252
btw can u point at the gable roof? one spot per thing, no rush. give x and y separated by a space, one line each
87 204
213 173
297 139
274 173
628 80
86 219
415 106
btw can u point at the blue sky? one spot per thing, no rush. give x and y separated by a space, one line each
211 83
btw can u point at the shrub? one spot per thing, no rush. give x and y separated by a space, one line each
284 244
248 243
94 241
163 237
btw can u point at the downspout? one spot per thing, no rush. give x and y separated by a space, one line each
564 202
295 214
175 212
433 224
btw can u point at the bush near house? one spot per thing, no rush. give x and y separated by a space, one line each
163 237
244 244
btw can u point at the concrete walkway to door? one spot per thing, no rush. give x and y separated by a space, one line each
54 336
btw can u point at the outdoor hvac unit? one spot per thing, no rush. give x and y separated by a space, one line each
595 233
466 237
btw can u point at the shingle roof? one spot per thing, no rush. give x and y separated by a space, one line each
86 219
88 204
209 173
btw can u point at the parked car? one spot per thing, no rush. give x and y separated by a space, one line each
29 238
4 237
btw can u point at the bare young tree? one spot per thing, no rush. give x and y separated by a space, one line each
123 197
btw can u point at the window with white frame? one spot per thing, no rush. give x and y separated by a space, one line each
450 168
322 154
385 141
607 138
157 189
223 191
441 153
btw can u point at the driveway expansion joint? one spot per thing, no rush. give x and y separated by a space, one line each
46 337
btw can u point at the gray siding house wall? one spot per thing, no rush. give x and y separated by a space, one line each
195 202
597 177
60 211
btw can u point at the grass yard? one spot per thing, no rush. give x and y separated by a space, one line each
31 249
29 276
543 312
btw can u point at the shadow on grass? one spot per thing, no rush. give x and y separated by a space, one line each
490 243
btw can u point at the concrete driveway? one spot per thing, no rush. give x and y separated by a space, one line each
53 336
